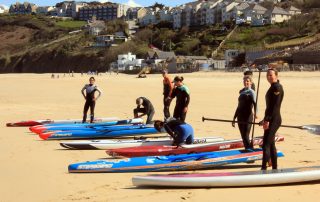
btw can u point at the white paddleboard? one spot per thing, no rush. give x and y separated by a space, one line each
232 179
114 144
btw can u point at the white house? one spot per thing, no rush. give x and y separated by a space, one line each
4 9
293 10
278 15
128 61
227 11
75 8
176 14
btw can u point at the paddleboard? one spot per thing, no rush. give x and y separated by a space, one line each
169 163
159 150
50 121
231 179
113 144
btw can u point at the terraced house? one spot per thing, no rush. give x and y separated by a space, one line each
22 8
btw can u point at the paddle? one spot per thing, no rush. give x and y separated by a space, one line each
314 129
255 108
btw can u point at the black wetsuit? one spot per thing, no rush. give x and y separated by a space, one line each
147 109
90 102
246 100
274 98
183 98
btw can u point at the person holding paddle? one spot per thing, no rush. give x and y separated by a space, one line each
244 111
272 119
90 99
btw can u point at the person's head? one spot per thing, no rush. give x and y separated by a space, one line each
139 101
272 75
178 81
92 80
158 125
248 73
247 81
164 72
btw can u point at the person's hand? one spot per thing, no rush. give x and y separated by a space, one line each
233 123
167 99
265 125
261 123
185 109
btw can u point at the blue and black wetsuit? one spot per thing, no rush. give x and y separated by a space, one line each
183 98
246 100
180 131
90 101
147 109
274 99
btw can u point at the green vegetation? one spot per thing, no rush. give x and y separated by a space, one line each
70 24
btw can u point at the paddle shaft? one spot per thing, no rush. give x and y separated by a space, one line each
243 122
255 108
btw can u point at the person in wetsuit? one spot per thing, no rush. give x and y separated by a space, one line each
180 131
147 109
182 93
90 90
250 73
272 119
244 112
167 91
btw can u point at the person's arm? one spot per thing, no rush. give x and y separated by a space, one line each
99 92
255 106
82 91
170 86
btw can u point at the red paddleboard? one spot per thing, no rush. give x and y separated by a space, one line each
163 150
28 123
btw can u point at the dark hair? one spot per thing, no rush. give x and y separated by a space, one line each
158 125
178 78
275 71
92 78
248 72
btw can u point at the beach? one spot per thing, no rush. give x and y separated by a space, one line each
36 170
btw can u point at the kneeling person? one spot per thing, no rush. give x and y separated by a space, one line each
147 109
181 132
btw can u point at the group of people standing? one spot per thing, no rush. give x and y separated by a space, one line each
182 132
246 112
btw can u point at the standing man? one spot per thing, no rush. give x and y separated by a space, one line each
167 91
182 93
147 109
272 119
90 99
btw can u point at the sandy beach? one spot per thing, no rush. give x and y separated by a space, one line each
36 170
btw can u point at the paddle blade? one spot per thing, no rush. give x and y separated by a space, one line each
314 129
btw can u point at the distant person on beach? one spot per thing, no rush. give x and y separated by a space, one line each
250 73
180 131
182 93
244 111
90 98
272 119
167 91
146 109
52 76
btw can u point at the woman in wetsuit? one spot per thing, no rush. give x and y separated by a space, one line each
272 119
244 111
90 99
182 93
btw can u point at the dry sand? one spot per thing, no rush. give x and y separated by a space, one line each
36 170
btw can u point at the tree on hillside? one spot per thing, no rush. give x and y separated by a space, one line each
157 5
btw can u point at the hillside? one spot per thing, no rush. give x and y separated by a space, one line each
41 44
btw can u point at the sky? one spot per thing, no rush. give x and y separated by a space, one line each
130 2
